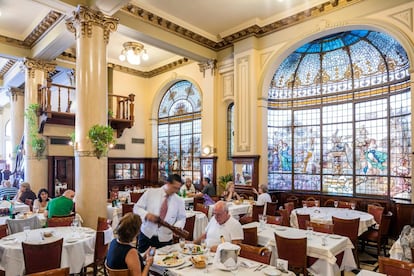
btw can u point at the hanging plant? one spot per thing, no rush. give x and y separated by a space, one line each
37 143
102 137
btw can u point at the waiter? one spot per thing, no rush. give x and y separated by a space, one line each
163 203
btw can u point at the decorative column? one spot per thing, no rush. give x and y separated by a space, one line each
16 96
92 29
35 167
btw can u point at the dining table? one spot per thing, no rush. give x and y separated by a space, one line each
325 214
236 209
323 247
18 207
78 247
245 267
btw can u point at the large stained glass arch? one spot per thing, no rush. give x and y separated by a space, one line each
179 131
339 117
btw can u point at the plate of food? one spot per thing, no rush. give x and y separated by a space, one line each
193 249
170 261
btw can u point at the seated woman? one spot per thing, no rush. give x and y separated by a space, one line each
40 204
262 195
24 193
121 254
229 194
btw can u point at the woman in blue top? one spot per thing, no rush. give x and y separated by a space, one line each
121 254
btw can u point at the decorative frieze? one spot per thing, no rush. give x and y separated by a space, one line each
83 19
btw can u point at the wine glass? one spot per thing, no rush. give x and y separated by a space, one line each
336 203
316 203
353 205
264 218
203 244
182 243
26 230
206 257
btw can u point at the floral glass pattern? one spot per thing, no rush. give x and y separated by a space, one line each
339 117
179 131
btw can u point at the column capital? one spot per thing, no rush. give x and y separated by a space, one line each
14 92
209 64
35 64
83 18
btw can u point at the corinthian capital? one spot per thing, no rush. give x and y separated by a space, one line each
84 18
14 92
209 64
34 64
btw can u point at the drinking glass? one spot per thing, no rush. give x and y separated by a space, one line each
261 224
316 203
206 257
203 244
182 243
353 205
26 230
264 218
336 203
309 232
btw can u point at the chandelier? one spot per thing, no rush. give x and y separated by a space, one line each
133 52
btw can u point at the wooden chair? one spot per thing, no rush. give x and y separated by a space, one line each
99 255
255 253
29 202
309 202
135 196
52 272
189 226
127 208
103 224
289 206
60 221
116 272
197 200
3 230
376 212
378 236
294 251
344 204
329 203
271 208
277 220
348 228
321 227
41 257
394 267
285 216
201 208
294 199
256 210
302 219
250 236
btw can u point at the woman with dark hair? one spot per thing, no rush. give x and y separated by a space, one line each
123 255
40 203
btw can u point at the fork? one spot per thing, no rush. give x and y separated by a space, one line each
184 266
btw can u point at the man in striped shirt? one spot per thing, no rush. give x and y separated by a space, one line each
7 190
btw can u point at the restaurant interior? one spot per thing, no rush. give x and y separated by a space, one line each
109 98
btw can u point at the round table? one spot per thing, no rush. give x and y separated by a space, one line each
325 214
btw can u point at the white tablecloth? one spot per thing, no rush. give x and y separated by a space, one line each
324 215
188 200
18 206
74 254
326 263
396 251
235 210
200 223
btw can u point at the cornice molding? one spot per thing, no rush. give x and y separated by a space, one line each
254 30
6 67
44 26
83 18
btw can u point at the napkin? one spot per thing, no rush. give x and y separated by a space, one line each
108 235
247 264
225 246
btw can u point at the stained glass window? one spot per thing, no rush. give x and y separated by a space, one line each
339 117
179 132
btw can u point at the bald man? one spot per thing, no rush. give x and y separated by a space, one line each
61 206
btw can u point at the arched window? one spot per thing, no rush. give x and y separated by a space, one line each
339 117
230 130
179 131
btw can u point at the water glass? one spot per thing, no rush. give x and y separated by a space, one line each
353 205
182 243
309 232
336 203
26 230
203 244
316 203
264 218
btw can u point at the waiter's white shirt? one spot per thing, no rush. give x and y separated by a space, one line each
150 202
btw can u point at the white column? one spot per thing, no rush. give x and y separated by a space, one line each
16 96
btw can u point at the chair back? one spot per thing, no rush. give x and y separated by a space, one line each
294 199
102 224
250 236
52 272
344 204
277 220
60 221
329 203
346 227
271 208
3 231
308 203
285 216
197 200
255 253
189 226
257 210
289 206
321 227
302 220
394 267
41 257
100 248
116 272
135 196
385 225
294 251
201 208
29 202
17 225
376 212
127 208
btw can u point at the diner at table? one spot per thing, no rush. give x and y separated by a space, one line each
325 214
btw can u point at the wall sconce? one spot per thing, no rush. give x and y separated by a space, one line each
207 150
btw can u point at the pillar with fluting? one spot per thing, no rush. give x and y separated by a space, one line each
35 164
92 29
16 96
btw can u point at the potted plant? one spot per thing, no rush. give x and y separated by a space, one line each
223 182
110 113
102 137
38 143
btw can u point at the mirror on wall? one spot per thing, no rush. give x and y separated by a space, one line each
245 171
243 174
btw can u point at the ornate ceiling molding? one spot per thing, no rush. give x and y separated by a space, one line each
42 28
254 30
6 67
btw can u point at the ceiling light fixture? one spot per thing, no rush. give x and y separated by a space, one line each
133 52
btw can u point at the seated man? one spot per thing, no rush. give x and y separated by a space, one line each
188 188
222 224
207 188
8 191
61 206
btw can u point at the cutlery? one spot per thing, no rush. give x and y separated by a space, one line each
184 266
263 267
258 268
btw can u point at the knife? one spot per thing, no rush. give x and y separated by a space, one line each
184 266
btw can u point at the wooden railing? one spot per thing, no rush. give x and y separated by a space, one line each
121 107
53 97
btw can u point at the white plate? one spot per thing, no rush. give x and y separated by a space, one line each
336 237
270 271
8 238
280 229
71 240
177 263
